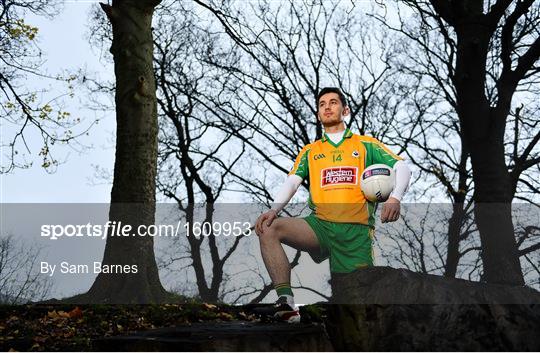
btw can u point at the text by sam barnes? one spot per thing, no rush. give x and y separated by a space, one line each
97 267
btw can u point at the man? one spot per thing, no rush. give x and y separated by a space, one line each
342 222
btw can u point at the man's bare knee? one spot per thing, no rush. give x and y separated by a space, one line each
273 232
291 232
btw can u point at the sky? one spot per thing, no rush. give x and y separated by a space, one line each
64 42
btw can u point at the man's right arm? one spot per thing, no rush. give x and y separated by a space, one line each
299 172
283 196
286 192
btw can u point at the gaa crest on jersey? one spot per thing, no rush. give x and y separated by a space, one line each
339 176
355 154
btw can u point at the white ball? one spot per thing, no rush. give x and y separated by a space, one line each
377 182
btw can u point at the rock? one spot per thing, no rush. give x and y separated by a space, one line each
382 309
226 336
386 285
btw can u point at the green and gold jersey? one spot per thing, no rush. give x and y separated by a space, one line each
334 172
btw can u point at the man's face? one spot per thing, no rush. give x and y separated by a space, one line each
331 109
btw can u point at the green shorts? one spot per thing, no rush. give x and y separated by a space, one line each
348 245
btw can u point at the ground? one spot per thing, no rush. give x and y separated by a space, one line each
59 327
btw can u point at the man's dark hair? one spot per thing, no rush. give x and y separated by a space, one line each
326 90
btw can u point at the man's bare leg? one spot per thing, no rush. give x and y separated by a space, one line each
294 232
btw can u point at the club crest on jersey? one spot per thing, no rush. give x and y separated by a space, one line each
355 154
339 176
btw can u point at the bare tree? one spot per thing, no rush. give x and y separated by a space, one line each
193 169
198 162
134 183
194 163
19 281
433 143
281 55
483 104
432 79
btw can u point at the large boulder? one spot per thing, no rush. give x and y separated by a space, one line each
381 308
386 285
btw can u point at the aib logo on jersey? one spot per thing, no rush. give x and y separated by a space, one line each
319 156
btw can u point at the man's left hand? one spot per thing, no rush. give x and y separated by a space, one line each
390 210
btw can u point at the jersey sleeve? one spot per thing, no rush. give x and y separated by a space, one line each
301 165
380 154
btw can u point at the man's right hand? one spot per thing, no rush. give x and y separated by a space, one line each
267 217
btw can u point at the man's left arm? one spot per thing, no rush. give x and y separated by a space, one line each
391 208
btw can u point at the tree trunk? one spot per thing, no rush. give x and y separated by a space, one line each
484 137
454 236
133 193
493 215
458 216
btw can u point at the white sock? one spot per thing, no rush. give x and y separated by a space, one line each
290 300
